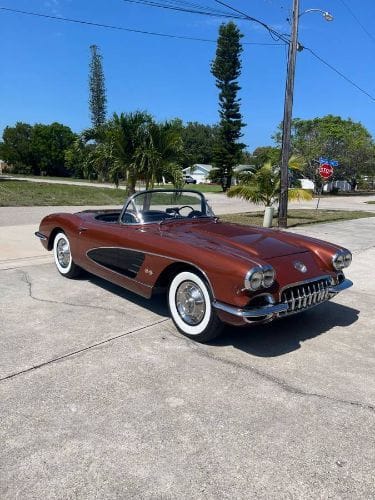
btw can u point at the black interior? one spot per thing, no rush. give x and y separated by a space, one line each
108 216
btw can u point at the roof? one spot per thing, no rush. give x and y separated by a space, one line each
201 166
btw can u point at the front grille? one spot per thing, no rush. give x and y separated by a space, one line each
305 295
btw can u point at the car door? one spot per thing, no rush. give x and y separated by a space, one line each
116 252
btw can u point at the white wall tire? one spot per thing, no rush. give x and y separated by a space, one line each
190 306
63 257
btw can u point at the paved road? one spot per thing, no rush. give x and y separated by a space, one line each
101 398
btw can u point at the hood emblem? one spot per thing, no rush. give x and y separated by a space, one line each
300 266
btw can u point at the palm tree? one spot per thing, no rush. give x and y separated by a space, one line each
127 134
159 153
263 187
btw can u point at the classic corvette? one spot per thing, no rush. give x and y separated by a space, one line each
212 272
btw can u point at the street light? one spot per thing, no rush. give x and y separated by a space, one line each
288 106
327 15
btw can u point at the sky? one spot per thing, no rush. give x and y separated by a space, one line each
45 62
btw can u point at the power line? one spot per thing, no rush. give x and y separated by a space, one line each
188 7
346 78
181 37
121 28
275 35
358 21
191 8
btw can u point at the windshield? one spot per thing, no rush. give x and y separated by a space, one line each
163 205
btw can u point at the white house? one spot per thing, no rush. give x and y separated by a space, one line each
199 172
340 185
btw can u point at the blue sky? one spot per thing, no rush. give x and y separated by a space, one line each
44 70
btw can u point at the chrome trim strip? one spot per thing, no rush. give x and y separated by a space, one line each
154 255
41 236
341 286
311 280
255 312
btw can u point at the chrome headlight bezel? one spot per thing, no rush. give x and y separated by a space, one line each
259 277
341 259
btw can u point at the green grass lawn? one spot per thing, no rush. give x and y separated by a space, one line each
53 178
298 217
27 194
203 188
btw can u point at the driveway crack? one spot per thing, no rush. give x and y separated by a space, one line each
274 380
26 279
79 351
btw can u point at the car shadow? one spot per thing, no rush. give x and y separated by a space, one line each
157 304
262 340
287 334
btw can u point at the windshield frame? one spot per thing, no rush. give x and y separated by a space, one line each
130 202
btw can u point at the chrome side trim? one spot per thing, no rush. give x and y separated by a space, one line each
254 312
341 286
41 236
173 259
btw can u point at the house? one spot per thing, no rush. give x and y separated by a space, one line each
199 172
339 185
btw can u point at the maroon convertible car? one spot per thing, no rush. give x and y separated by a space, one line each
213 272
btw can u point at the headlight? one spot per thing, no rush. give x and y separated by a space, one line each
268 277
343 258
259 277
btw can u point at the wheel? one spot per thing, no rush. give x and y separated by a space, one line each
190 305
63 257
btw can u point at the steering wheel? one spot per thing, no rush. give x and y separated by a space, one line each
195 213
184 206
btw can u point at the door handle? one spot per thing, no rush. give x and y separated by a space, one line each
82 229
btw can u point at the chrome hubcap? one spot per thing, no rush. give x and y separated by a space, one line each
63 253
190 303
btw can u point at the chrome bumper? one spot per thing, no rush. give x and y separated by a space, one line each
254 312
272 311
341 286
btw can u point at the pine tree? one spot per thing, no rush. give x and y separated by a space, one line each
226 68
98 99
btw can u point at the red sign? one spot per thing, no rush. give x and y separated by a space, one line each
326 171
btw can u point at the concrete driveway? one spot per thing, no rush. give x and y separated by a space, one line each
101 398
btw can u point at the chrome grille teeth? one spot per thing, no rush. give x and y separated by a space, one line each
310 296
303 296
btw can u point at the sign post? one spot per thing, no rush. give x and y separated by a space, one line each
325 171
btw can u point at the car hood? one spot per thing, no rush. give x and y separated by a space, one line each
255 242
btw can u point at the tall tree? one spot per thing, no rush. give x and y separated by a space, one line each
226 69
198 143
336 138
97 99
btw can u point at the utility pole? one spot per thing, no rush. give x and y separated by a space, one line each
287 120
